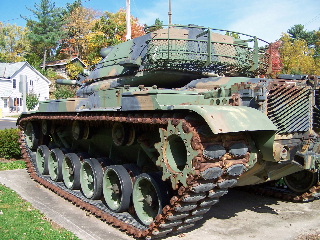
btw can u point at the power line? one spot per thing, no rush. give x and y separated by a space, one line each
312 20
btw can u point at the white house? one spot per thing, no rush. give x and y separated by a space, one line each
11 90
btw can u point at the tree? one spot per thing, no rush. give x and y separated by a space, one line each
298 32
109 30
233 34
95 41
113 25
14 44
275 58
297 57
312 38
74 69
79 23
158 24
317 44
71 6
47 30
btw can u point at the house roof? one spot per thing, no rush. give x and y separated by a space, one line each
64 62
8 70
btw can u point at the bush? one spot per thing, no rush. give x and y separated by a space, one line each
9 145
74 69
32 101
63 92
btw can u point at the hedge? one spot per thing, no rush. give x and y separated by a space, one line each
9 145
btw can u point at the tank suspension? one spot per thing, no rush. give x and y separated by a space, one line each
196 169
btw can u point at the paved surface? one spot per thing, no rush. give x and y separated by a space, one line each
59 210
8 122
238 216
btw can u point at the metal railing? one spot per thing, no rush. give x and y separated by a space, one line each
204 47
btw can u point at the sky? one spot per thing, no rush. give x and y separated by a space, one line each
266 19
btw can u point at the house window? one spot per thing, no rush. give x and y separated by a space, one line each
17 101
14 83
5 102
31 82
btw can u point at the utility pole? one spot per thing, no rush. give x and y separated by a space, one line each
128 20
23 82
170 13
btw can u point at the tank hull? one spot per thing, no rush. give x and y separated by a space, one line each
153 160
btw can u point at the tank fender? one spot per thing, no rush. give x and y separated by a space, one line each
224 119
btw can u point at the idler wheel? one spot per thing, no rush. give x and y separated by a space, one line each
149 197
71 171
55 160
32 135
117 188
302 181
91 175
42 157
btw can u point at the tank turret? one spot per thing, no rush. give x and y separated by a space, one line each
174 56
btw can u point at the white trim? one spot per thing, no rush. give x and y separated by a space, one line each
33 69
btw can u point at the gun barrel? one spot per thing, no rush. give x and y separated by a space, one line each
66 82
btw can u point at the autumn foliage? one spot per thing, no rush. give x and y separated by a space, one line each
297 57
275 58
297 52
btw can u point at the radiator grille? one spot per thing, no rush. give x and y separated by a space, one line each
316 110
289 108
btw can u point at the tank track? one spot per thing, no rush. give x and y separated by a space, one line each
211 180
271 190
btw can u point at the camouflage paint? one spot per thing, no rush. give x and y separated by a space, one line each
278 113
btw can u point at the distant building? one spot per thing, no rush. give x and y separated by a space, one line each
10 90
60 66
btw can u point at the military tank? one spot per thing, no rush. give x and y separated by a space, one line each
166 123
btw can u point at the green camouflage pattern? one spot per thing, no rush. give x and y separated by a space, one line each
195 69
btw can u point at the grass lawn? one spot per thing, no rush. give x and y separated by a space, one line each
10 165
19 220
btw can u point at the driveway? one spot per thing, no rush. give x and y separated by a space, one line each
8 122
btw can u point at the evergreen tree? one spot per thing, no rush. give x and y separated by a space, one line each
47 30
72 6
298 32
158 24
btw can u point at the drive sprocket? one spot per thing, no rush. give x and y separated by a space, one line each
177 152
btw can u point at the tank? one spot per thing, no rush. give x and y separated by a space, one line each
166 123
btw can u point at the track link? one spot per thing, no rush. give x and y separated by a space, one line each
212 178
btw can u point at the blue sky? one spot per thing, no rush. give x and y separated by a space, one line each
267 19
